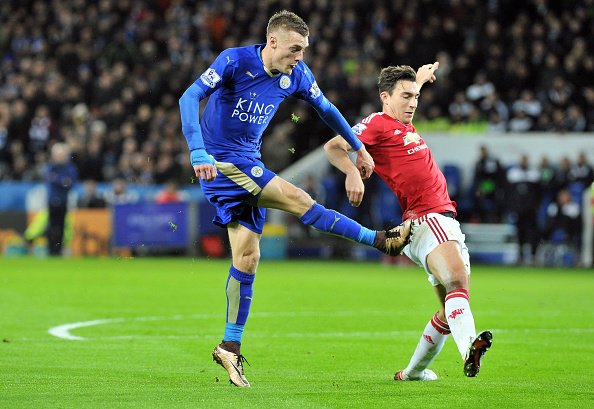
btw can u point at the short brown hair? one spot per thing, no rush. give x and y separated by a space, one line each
288 21
389 77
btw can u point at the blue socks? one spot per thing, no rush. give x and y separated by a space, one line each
239 299
332 222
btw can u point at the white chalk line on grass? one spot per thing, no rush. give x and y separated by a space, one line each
63 331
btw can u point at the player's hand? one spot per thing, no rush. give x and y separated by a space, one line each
354 188
365 163
427 73
204 165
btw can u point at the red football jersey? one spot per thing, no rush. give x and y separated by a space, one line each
404 162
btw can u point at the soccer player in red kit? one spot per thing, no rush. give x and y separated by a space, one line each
404 162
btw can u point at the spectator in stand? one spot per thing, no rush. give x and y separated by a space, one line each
521 122
528 104
119 193
480 89
169 194
493 103
563 220
582 172
40 130
562 175
489 188
460 107
495 124
91 161
547 179
91 198
522 198
575 119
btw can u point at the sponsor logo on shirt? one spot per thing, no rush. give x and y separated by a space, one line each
359 128
315 90
410 137
251 75
257 171
284 82
413 137
210 78
248 110
416 149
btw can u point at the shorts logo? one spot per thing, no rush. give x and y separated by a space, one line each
315 90
210 78
284 82
257 171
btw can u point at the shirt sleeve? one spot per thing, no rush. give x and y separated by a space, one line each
220 71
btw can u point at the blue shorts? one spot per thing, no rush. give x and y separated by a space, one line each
236 190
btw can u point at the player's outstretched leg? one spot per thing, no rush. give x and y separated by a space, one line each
329 221
434 336
476 351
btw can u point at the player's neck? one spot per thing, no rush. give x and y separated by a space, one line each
267 61
387 112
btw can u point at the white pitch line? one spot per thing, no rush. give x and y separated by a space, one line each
63 331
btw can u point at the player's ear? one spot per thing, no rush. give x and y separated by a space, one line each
384 96
272 40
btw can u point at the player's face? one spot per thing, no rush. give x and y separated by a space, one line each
402 104
288 48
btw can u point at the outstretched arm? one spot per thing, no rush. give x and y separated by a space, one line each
427 73
334 119
337 150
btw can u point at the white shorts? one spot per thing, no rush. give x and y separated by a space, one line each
428 232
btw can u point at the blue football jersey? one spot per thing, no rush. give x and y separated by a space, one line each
244 98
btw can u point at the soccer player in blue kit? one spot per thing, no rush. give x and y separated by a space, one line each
246 86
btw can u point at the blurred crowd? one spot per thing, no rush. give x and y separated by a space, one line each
543 199
105 76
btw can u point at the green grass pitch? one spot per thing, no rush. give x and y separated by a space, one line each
320 335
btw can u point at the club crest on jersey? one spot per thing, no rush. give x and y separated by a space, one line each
315 90
411 137
359 128
257 171
210 78
284 82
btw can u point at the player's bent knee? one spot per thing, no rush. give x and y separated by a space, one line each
300 200
457 281
303 198
247 262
